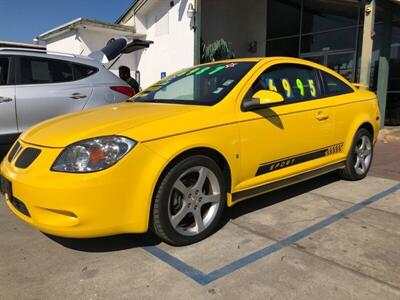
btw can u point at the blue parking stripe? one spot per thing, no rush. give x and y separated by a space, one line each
205 279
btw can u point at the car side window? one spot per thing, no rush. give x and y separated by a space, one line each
294 82
82 71
37 70
334 86
4 70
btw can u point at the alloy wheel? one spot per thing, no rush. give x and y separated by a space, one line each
194 201
363 155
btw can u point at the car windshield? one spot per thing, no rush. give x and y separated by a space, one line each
201 85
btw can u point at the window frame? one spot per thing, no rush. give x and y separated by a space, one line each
318 86
75 71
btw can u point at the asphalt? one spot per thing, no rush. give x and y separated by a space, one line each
324 238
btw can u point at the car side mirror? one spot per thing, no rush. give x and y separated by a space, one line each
262 99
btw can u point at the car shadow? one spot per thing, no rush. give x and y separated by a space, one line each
131 241
108 244
275 197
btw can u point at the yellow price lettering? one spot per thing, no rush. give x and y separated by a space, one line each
288 89
313 90
271 85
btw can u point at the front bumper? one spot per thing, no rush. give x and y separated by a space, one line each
116 200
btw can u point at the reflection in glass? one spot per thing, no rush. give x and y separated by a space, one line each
342 64
333 40
283 47
325 15
283 18
319 59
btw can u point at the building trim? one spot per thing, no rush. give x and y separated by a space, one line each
75 24
132 9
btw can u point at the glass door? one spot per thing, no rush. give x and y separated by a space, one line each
341 62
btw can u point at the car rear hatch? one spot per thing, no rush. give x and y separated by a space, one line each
119 46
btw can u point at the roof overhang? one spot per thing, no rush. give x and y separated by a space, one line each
132 10
87 24
9 44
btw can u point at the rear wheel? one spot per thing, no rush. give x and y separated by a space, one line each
360 156
189 201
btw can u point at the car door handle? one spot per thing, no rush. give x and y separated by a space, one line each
322 116
5 99
76 96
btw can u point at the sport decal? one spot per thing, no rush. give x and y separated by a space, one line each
287 162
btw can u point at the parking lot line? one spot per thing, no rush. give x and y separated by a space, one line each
204 279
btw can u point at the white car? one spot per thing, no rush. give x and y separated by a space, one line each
36 85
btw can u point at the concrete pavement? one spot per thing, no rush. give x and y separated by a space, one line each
357 256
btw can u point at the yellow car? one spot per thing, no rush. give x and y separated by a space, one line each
173 157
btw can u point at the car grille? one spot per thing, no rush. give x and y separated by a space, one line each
20 206
27 157
14 151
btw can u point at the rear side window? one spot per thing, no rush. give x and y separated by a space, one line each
294 82
83 71
4 69
36 70
334 86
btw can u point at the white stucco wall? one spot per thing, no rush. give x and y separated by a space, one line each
67 43
237 22
170 29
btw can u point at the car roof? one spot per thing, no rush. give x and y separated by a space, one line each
50 54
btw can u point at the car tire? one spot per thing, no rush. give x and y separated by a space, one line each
360 156
189 201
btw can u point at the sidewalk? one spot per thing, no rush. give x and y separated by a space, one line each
386 163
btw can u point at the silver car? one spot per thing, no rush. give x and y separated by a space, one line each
36 86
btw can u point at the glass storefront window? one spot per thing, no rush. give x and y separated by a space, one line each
283 47
283 18
342 63
325 15
394 63
328 41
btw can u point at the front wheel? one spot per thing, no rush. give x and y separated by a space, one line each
189 201
360 156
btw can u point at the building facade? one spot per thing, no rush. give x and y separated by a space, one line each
358 38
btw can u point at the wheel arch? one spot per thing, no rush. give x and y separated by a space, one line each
359 123
368 126
215 155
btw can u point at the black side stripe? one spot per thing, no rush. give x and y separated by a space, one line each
269 187
298 159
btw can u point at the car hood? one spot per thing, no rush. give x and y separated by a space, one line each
108 120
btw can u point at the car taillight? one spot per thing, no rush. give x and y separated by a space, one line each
126 90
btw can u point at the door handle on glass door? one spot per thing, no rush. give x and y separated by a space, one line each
322 116
76 96
5 99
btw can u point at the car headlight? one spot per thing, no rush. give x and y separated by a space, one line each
93 155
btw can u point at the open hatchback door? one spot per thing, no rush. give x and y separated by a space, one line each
116 47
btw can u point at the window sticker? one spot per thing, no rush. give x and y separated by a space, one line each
287 87
231 65
203 70
313 90
271 85
218 90
193 71
217 69
181 73
300 85
228 82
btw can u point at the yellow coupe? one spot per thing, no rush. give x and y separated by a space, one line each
173 157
